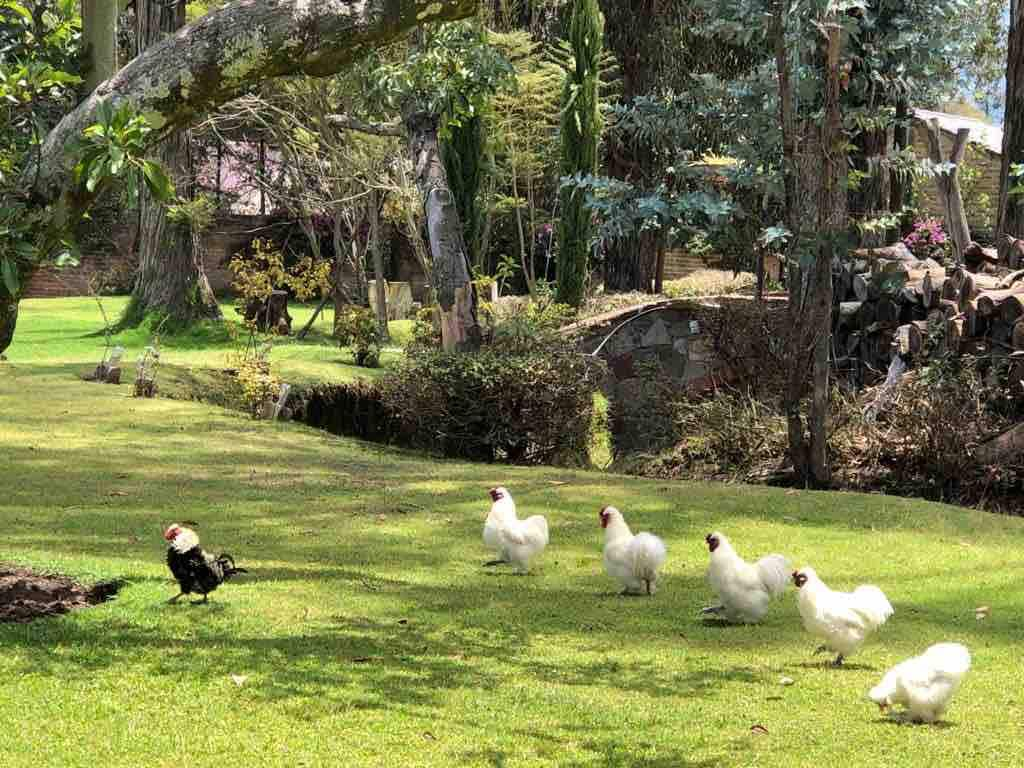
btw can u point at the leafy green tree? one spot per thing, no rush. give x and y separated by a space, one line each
581 135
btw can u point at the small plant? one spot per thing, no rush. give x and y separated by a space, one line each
145 371
926 236
258 384
356 327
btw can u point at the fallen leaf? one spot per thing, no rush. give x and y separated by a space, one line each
758 730
362 659
239 680
982 612
786 681
429 735
792 492
403 621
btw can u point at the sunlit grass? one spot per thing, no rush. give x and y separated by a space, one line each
368 634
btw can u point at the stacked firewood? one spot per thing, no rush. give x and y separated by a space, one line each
892 302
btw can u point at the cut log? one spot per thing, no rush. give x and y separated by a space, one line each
866 315
1015 252
271 315
853 343
895 252
931 289
989 302
949 308
950 290
887 310
954 333
973 284
1011 279
1006 447
861 284
1012 309
974 322
848 314
911 293
910 338
1017 337
975 254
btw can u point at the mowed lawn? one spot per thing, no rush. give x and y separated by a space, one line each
369 634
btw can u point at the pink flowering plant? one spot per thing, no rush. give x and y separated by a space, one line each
926 236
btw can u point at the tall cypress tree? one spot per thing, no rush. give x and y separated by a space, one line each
581 134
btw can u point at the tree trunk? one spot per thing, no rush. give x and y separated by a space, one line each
380 288
171 280
811 297
99 38
452 277
8 321
1011 209
949 187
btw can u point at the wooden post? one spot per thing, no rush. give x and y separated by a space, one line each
949 186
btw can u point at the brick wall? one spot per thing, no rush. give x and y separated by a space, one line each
226 238
679 263
977 157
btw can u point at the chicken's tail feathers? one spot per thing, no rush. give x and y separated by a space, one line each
774 571
540 524
227 564
952 658
872 604
648 554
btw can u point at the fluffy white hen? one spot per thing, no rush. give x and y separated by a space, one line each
842 619
632 560
744 590
924 684
516 541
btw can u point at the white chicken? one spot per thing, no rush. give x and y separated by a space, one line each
744 590
516 541
632 560
842 619
924 684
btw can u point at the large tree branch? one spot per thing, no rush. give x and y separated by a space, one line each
374 129
223 54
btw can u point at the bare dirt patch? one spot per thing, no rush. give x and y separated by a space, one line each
26 595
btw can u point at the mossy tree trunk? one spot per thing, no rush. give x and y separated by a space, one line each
1011 207
171 281
581 134
452 273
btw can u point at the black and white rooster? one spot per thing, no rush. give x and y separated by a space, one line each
196 570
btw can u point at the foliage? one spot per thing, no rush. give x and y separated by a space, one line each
454 73
357 327
256 381
197 213
115 146
709 282
513 400
146 371
261 272
581 135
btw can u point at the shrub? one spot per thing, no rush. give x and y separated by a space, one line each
356 327
514 400
356 409
258 385
710 282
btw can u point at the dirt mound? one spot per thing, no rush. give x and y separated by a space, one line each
25 595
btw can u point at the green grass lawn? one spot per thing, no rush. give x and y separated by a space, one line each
369 634
67 334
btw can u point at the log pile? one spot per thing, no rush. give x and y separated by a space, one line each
891 302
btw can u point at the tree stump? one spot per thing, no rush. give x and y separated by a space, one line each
270 316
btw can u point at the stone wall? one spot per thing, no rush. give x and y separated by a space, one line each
677 338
